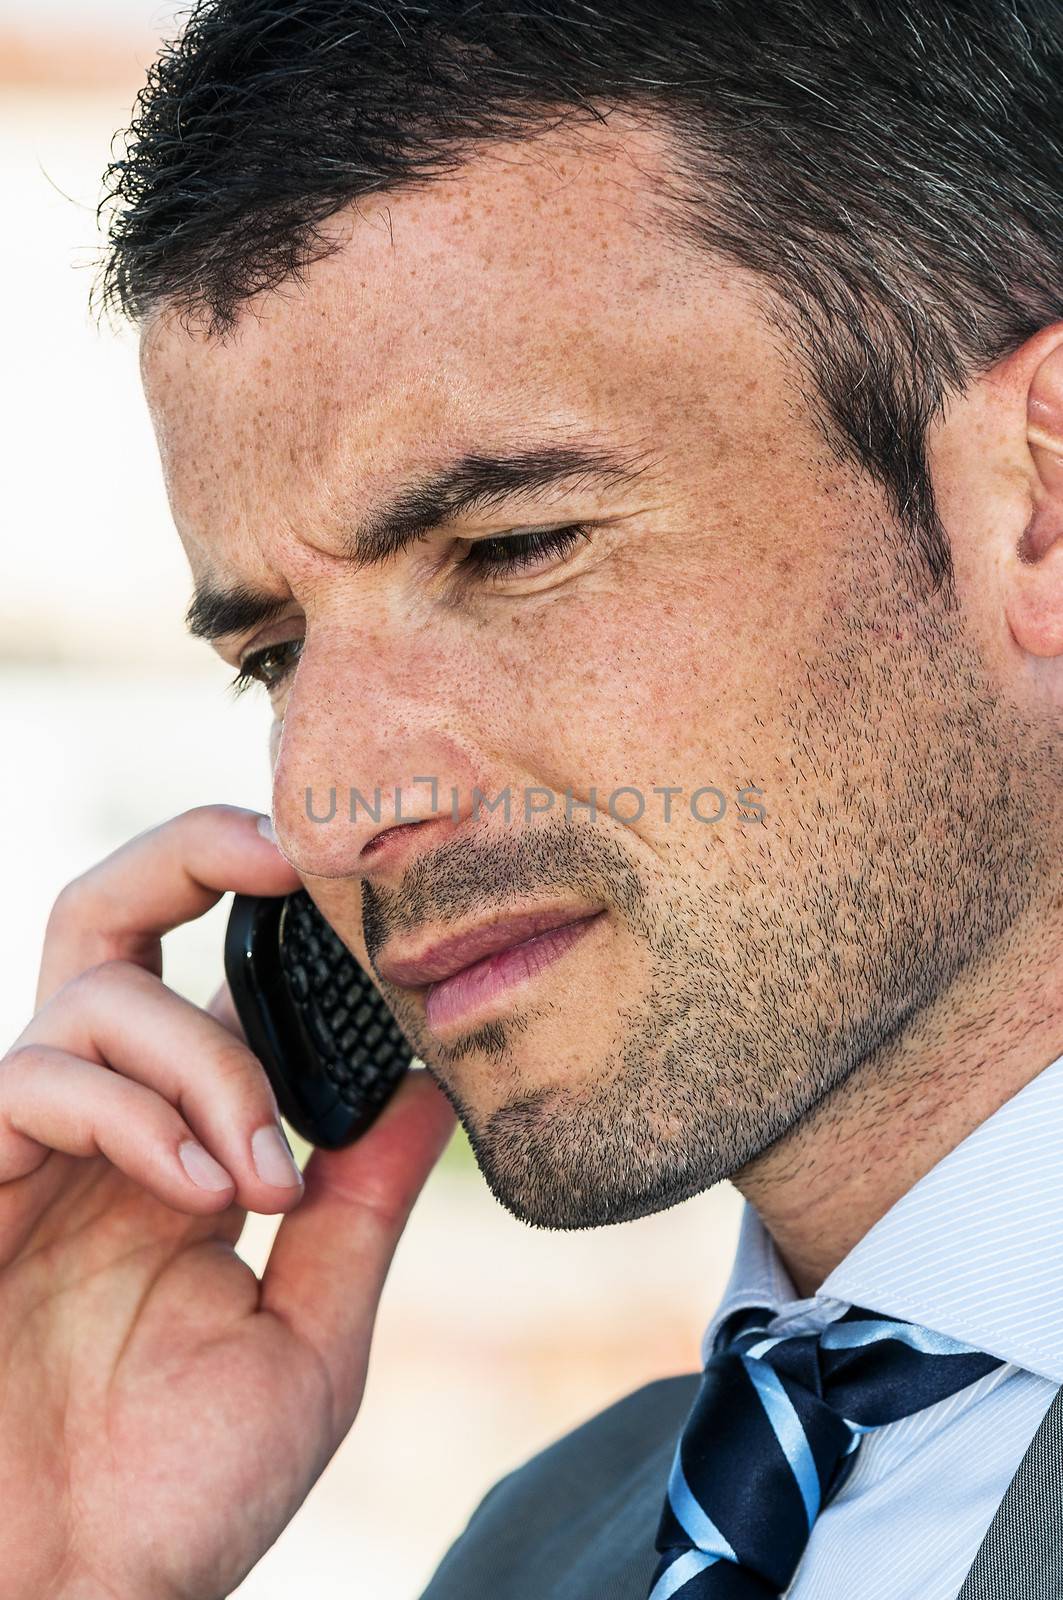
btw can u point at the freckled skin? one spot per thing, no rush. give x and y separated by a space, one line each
789 1001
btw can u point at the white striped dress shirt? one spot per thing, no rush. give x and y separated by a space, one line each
973 1250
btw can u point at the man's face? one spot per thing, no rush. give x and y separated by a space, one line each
733 617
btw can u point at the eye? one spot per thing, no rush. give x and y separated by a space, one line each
502 555
269 666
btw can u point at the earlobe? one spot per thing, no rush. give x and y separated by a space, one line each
1035 581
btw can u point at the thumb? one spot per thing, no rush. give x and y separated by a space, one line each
331 1255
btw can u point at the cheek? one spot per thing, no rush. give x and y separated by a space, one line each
681 673
608 690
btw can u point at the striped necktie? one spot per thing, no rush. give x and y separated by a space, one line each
772 1436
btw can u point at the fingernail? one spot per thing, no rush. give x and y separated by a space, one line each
273 1158
202 1168
265 828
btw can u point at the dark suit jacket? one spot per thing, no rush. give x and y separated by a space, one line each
577 1521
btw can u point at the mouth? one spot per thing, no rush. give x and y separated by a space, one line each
468 972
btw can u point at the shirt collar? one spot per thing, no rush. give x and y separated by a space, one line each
974 1249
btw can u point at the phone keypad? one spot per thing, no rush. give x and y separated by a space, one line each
363 1050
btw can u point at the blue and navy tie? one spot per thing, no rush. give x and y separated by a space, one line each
772 1436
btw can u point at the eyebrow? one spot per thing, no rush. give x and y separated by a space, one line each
470 483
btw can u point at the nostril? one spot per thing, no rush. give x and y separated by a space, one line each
380 839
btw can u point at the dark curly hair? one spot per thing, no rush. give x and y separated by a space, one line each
891 169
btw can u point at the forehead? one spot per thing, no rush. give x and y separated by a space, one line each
530 284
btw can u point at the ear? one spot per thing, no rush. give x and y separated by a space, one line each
1034 573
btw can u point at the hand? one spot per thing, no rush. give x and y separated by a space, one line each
163 1413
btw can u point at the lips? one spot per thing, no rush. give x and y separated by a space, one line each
448 956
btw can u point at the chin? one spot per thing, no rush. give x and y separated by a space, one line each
561 1160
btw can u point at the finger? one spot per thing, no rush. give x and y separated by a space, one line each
222 1009
52 1100
117 1015
170 874
330 1258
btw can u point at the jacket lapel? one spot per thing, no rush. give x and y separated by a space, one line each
1021 1556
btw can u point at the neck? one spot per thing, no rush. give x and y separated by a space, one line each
820 1187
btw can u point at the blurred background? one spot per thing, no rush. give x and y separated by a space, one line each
493 1338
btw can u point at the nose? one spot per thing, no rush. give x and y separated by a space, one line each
374 761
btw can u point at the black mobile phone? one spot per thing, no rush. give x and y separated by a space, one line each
330 1045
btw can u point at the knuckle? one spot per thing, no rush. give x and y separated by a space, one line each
210 814
192 817
103 982
19 1060
114 973
71 904
233 1064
